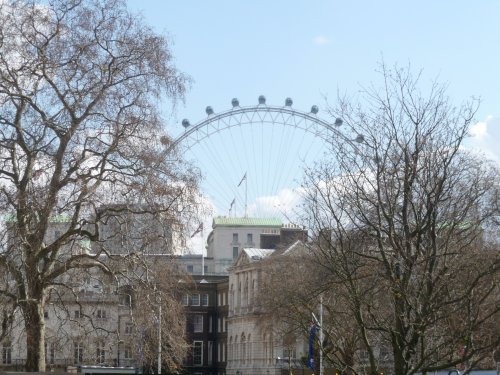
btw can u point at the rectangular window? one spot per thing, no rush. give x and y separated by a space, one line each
77 352
50 354
224 324
100 353
185 300
6 354
235 252
78 314
205 269
218 353
190 268
125 300
46 314
223 299
235 237
129 328
210 353
223 352
204 300
198 353
101 314
210 322
195 300
198 323
289 353
218 325
249 238
127 352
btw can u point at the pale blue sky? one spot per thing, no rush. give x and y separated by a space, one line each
305 49
311 49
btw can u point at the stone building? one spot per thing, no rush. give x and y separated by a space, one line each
256 346
89 323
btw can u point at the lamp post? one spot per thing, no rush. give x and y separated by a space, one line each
159 338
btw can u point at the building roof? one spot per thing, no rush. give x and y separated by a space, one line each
257 254
246 221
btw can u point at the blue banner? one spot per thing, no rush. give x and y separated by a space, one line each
312 337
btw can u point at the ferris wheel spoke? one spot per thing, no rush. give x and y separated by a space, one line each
270 144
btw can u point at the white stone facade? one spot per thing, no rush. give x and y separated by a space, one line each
254 347
231 235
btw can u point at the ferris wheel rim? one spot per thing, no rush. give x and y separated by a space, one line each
236 110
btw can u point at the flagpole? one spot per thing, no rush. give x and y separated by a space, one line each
202 262
321 335
202 255
246 194
246 191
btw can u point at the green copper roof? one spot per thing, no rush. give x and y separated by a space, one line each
247 221
12 218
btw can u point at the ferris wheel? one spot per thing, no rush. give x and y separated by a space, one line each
252 157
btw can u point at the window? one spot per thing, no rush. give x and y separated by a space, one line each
223 299
129 328
249 238
125 299
190 268
218 325
235 252
195 300
289 353
6 353
204 300
46 314
205 269
243 347
77 352
210 322
100 353
50 354
78 314
210 352
198 323
235 237
197 353
224 324
101 314
185 300
127 352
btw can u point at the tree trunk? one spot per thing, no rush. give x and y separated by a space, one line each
33 312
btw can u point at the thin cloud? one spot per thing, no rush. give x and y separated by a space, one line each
479 130
321 40
485 137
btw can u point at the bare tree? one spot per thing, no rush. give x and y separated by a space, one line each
157 321
400 211
81 143
289 308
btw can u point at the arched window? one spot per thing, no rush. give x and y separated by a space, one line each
243 344
265 349
249 348
235 349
